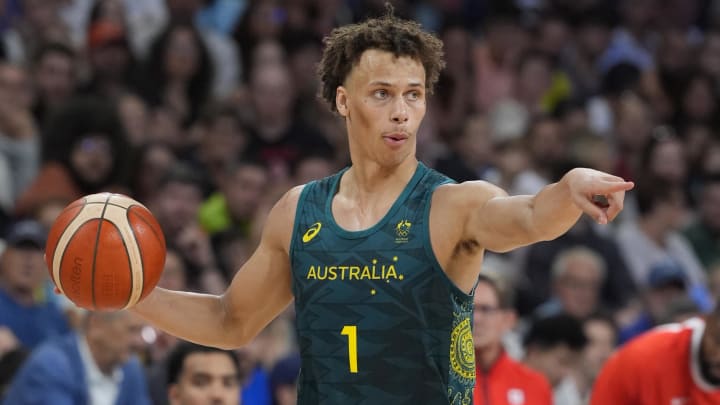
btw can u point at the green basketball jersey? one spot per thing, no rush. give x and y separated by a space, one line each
378 321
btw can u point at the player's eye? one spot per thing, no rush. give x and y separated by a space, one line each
381 94
413 95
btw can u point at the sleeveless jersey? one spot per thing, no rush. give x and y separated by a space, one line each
378 321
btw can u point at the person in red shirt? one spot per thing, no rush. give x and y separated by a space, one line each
674 364
500 379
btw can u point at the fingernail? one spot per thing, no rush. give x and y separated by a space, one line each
602 221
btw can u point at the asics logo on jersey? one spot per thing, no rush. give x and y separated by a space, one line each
311 232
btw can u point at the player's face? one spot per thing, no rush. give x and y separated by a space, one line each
490 322
383 101
206 378
711 346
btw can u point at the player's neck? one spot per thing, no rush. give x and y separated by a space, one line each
370 179
486 357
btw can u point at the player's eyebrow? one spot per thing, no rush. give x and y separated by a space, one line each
388 84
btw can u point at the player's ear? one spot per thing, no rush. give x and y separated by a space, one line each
341 101
173 394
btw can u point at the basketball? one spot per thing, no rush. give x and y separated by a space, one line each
105 252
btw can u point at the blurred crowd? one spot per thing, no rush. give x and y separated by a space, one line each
207 111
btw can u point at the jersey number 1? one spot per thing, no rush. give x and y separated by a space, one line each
351 332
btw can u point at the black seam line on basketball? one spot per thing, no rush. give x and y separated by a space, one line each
110 203
152 228
127 253
60 272
95 251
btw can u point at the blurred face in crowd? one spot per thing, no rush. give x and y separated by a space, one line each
176 206
710 206
601 345
22 268
113 337
709 59
699 102
244 188
593 39
92 158
546 142
634 123
534 79
15 87
173 276
554 362
578 287
383 103
490 321
313 168
272 93
206 378
182 56
475 144
55 77
668 161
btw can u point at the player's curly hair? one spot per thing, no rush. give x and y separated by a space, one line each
345 45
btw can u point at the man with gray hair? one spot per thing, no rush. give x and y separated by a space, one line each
578 274
94 366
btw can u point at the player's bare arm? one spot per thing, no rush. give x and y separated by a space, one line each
260 290
500 223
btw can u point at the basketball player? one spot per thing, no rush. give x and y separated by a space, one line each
672 364
381 258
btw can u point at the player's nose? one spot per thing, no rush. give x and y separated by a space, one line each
399 112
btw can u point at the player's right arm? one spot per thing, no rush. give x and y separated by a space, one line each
260 290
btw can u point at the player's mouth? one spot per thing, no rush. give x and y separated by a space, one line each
395 139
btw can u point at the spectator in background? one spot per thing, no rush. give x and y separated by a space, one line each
223 139
667 282
24 308
673 364
283 380
546 148
500 380
534 285
111 61
175 204
177 74
152 162
38 23
239 192
277 136
655 235
55 67
94 366
495 56
85 152
553 346
602 334
471 151
19 135
202 375
578 275
704 232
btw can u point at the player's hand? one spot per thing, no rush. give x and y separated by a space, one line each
598 194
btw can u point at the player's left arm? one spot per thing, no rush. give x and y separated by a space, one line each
499 222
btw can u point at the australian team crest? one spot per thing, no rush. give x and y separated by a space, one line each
402 231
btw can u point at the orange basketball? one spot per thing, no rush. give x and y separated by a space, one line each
105 252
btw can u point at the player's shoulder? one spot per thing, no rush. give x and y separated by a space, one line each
661 343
